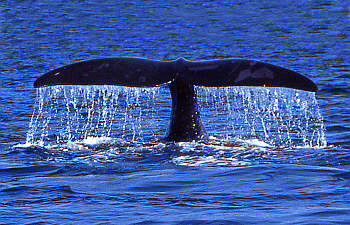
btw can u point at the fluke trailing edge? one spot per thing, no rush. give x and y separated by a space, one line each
181 76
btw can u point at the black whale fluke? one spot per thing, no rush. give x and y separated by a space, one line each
132 72
181 76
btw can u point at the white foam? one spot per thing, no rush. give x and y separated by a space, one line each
25 145
97 140
257 143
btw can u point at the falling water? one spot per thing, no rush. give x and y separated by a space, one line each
70 113
278 116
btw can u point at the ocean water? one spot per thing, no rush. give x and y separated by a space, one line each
95 155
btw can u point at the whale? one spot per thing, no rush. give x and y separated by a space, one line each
181 76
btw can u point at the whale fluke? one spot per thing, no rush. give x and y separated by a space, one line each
133 72
181 76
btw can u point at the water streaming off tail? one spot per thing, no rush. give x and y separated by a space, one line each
70 113
278 116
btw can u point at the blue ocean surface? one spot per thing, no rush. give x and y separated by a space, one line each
96 155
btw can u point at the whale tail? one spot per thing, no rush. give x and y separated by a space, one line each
181 76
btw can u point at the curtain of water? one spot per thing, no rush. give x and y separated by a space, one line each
278 116
69 113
